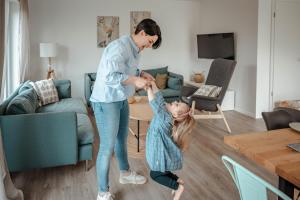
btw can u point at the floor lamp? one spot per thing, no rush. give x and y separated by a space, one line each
48 50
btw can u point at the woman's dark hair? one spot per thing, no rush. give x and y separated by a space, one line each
151 28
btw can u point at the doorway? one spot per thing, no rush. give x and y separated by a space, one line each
285 72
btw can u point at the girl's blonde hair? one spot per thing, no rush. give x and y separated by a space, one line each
182 130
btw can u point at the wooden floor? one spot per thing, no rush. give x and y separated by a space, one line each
204 174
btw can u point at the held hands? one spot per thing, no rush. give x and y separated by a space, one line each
147 76
151 86
140 82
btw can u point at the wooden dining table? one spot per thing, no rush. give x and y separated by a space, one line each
269 150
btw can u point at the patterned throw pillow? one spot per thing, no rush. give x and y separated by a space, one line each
208 90
46 91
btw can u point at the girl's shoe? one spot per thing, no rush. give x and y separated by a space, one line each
104 196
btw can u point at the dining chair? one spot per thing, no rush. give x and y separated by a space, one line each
249 185
280 118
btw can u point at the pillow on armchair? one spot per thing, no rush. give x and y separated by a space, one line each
208 90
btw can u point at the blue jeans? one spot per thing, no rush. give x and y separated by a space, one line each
112 123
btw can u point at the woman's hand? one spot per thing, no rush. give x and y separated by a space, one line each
140 82
148 76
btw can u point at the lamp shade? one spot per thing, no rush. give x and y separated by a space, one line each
48 50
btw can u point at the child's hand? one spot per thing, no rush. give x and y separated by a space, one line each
154 87
147 86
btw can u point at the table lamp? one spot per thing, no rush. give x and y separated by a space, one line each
48 50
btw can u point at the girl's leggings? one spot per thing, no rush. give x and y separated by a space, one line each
167 179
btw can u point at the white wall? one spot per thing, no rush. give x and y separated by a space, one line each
263 56
72 24
240 17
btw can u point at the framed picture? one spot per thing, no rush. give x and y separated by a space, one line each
107 30
136 17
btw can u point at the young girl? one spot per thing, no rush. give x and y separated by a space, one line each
167 137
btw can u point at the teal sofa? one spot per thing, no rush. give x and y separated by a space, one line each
56 134
171 93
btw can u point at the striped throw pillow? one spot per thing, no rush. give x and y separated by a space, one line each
208 90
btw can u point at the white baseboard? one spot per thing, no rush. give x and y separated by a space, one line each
245 112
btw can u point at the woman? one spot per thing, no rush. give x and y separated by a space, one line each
117 77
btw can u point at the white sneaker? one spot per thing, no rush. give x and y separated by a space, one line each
104 196
132 178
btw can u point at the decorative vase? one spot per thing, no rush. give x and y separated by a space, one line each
199 77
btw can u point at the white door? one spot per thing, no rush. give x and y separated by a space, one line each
286 57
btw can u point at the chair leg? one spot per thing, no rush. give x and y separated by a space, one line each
223 117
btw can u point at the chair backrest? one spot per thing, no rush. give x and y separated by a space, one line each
280 118
249 185
293 112
220 74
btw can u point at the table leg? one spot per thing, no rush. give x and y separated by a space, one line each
286 187
138 135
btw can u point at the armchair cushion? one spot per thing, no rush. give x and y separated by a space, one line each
24 103
208 90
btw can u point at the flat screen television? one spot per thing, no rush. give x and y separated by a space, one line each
218 45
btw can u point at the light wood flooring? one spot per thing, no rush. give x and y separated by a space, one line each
204 174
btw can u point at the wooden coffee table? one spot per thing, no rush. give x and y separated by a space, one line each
140 111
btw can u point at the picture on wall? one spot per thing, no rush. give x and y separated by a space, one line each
107 30
136 17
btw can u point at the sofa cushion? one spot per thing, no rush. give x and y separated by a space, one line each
165 92
161 80
154 72
5 103
25 86
174 83
63 88
85 129
24 103
65 105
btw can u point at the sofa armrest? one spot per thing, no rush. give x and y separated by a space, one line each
39 140
87 86
63 88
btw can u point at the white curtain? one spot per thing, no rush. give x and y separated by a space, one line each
17 46
7 188
24 44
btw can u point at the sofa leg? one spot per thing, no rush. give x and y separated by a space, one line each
86 165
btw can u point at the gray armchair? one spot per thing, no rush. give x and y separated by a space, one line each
220 74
